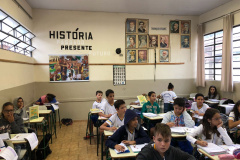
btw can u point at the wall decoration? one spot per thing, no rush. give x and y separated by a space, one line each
174 26
185 41
142 26
153 41
164 41
119 75
164 55
131 41
131 56
142 56
131 26
142 41
68 68
185 27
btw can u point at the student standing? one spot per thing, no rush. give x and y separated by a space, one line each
168 96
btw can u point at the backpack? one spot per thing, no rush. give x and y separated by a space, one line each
67 121
40 152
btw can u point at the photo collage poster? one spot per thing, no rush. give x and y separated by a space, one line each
68 68
119 75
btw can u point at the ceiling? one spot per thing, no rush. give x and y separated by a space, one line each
168 7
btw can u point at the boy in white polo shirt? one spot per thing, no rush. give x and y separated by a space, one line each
108 109
116 120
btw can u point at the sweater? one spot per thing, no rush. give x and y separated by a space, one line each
13 128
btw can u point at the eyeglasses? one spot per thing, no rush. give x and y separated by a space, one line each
8 111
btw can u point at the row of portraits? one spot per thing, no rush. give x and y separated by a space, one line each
138 26
141 55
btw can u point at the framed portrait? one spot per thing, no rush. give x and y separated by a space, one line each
142 41
131 41
131 56
164 41
131 26
142 56
164 55
153 41
185 27
174 26
185 41
142 26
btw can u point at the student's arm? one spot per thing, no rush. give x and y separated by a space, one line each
54 100
103 108
38 101
116 138
227 140
188 121
196 132
143 110
17 125
167 120
104 126
233 124
142 137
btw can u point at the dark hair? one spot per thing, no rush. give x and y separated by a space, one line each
50 97
235 110
20 98
108 92
162 129
199 94
150 93
141 22
215 93
5 105
99 92
207 129
118 103
132 38
170 86
180 102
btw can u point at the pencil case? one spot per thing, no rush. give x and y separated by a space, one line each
226 157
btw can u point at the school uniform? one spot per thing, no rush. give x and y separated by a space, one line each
233 130
97 105
149 152
107 109
115 121
201 110
167 97
123 133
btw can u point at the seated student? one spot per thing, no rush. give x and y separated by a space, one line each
131 133
160 148
168 96
212 93
179 117
116 120
198 108
108 109
150 107
210 131
97 105
19 107
48 98
234 121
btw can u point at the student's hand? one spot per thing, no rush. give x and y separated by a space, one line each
112 128
37 103
21 106
10 118
129 142
202 143
220 125
108 116
196 112
119 148
171 124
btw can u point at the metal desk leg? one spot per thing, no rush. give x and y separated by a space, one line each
59 119
97 137
102 139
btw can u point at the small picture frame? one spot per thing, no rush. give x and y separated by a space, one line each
131 41
174 26
185 41
164 41
164 55
186 27
142 56
131 56
131 26
153 41
142 26
142 41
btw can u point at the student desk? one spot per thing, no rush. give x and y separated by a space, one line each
99 122
158 117
226 109
211 102
114 155
16 142
104 134
136 107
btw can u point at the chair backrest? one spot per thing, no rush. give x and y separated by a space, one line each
224 118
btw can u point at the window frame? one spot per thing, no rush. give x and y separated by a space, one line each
237 54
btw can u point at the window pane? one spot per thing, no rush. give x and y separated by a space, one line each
2 15
11 33
218 71
207 37
2 35
10 22
236 58
6 28
236 78
235 64
218 47
209 71
6 46
236 29
18 49
218 53
236 44
236 50
21 30
22 45
218 65
236 36
30 35
209 65
219 34
209 54
11 40
209 60
27 53
219 40
30 48
218 77
208 49
218 59
18 34
209 77
209 42
236 72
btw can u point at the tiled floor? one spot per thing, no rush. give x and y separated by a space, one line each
70 145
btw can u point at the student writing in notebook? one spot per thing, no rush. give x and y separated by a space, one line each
150 107
234 121
210 131
116 120
179 118
198 108
160 148
108 109
130 133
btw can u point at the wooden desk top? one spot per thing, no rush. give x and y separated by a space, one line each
94 111
38 120
158 117
44 111
102 118
17 142
135 106
114 155
108 133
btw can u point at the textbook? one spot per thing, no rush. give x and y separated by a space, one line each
142 99
137 148
213 149
30 137
4 136
95 110
125 151
150 114
178 130
33 112
8 153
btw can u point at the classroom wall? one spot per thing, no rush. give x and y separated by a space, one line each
218 25
108 30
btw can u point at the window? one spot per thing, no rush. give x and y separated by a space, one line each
236 53
15 37
213 55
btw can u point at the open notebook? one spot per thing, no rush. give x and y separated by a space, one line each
213 149
178 130
137 148
125 151
8 153
30 137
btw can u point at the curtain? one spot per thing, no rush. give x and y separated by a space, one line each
226 78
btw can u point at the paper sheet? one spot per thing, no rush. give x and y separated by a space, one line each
8 153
